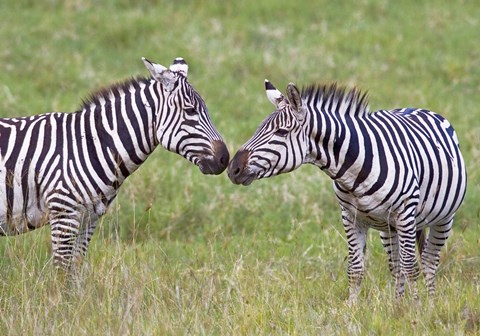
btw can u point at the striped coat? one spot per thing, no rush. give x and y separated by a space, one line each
397 171
66 168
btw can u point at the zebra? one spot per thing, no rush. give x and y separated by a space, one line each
398 171
65 169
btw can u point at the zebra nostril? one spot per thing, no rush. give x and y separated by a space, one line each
224 160
222 154
238 165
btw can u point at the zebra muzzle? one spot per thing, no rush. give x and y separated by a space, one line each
216 164
238 171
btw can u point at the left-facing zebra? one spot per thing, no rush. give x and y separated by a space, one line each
66 168
397 171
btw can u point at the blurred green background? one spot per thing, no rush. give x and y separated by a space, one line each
183 253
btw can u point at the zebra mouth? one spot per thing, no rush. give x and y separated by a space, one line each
211 166
213 162
239 171
245 177
208 167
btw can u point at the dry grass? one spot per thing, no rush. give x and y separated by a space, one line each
181 253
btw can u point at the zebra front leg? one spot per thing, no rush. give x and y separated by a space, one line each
437 237
356 238
390 245
87 229
64 232
409 270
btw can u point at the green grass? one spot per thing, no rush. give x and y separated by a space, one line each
208 257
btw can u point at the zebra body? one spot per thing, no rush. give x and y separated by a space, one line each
397 171
66 168
416 134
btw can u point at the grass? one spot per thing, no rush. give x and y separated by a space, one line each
182 253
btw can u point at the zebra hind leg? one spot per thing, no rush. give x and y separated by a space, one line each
431 254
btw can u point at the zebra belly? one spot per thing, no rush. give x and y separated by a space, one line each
379 218
19 223
20 210
372 211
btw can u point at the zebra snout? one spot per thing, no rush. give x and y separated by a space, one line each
221 151
238 171
218 163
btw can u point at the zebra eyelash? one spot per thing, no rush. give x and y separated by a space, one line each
191 111
281 132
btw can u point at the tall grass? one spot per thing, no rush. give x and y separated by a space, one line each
182 253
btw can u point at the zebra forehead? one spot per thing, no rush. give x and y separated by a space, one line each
278 117
271 118
193 96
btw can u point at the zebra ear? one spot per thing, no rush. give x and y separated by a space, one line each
179 65
295 100
294 96
161 74
273 94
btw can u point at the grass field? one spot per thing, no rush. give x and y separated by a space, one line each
182 253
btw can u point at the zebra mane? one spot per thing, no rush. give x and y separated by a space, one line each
338 99
106 92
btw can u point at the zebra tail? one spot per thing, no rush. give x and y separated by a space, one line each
421 240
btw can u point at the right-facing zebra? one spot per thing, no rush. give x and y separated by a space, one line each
397 171
66 168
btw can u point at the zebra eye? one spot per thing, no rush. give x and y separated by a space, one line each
281 132
191 111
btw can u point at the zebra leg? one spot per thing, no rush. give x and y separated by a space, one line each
390 245
431 254
87 229
356 238
65 224
409 270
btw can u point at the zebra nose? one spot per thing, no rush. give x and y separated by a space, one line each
234 169
238 163
221 152
224 160
216 161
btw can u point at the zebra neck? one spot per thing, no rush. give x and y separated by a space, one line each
123 130
337 147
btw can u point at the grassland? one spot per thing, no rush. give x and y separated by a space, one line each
182 253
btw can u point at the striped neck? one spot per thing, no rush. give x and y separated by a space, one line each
123 120
334 144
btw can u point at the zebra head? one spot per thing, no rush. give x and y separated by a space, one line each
182 122
278 145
